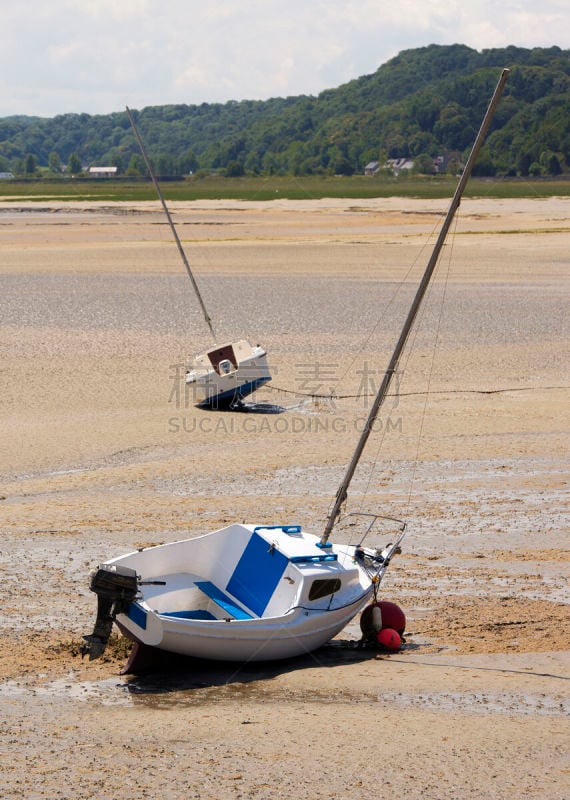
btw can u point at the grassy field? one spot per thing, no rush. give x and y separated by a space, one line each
273 187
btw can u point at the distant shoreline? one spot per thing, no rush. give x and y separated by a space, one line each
271 187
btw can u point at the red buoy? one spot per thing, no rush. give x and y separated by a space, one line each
389 639
382 615
392 616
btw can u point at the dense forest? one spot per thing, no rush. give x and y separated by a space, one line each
423 104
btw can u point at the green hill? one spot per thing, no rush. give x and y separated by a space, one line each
421 104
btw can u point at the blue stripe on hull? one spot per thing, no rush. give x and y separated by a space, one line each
225 399
137 615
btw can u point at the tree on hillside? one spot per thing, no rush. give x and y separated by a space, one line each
551 163
136 167
166 165
30 164
74 165
423 164
234 169
342 128
54 162
188 163
117 160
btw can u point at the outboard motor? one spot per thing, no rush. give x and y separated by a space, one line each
116 587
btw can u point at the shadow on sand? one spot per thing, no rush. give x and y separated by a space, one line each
248 408
153 671
262 408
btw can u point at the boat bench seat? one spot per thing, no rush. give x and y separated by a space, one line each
199 613
250 587
183 606
223 600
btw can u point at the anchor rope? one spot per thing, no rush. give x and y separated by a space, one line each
360 396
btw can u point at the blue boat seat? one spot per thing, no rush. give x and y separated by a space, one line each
251 585
199 613
223 600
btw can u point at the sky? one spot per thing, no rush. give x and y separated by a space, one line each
97 56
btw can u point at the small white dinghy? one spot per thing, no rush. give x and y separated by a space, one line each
253 592
225 374
242 593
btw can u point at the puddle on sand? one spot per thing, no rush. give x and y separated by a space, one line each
178 691
225 683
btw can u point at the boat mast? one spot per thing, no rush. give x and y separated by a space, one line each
171 223
393 365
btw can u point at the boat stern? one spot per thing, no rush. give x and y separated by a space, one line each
116 587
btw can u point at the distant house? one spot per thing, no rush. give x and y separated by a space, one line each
440 164
371 168
103 172
398 164
6 176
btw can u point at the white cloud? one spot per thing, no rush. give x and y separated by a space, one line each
109 9
98 55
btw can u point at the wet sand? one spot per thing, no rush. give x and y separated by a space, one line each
102 452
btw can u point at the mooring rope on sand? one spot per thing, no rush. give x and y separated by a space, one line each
362 395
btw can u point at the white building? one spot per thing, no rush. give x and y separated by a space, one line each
103 172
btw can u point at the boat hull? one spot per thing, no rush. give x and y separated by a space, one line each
243 593
224 398
257 640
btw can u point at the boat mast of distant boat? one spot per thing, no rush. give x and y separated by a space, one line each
171 223
342 492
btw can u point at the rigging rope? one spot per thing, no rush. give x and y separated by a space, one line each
389 304
410 349
427 393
